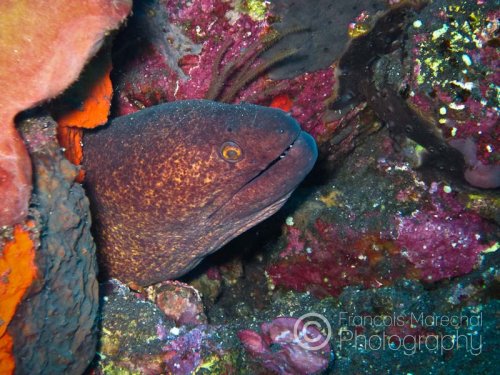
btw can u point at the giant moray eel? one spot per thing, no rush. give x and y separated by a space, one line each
172 183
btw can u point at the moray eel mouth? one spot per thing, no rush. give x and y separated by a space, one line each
266 192
172 183
300 155
279 158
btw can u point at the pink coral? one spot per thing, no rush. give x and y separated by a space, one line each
183 355
443 241
295 354
327 257
459 64
222 36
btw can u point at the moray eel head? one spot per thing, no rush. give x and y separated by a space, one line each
172 183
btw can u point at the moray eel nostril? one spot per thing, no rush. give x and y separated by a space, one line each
173 183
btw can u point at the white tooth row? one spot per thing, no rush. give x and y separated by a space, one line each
285 152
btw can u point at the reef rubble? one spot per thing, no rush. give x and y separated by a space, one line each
387 253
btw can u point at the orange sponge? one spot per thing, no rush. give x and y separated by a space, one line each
17 271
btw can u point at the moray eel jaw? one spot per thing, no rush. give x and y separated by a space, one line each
172 183
270 189
265 194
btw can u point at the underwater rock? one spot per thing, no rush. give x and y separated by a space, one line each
378 329
137 337
45 45
452 63
369 71
426 72
412 330
322 32
183 355
132 330
209 284
443 240
54 329
227 68
288 346
232 271
392 226
326 257
179 302
407 311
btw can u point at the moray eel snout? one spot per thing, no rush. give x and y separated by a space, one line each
172 183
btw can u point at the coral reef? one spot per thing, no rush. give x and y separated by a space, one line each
393 226
389 229
388 240
54 328
453 64
432 78
45 46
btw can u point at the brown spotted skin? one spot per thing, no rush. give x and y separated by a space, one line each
162 194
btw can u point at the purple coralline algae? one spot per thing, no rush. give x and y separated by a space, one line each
455 78
138 337
392 226
183 355
327 257
444 240
288 346
212 43
148 79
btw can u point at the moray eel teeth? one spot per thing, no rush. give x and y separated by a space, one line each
172 183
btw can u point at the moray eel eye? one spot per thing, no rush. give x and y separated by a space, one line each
231 152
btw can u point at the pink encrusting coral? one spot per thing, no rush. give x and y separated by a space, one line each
444 240
183 355
288 346
459 82
44 44
215 37
326 257
150 78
